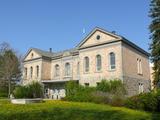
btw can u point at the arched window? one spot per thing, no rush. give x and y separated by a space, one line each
86 64
31 72
37 70
67 69
98 62
25 72
112 60
57 70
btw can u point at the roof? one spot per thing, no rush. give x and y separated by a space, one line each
43 53
76 49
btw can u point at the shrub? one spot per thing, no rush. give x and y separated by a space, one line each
76 92
33 90
144 101
107 92
104 86
3 91
112 86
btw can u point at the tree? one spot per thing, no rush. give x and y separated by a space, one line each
10 70
155 37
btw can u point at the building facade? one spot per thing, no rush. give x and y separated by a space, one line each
100 55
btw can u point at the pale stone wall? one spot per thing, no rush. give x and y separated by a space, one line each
130 56
103 38
72 60
33 64
35 55
131 77
46 70
93 76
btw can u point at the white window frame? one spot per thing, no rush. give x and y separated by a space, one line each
140 88
86 67
98 68
56 71
110 65
67 70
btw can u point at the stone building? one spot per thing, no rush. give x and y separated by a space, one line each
100 55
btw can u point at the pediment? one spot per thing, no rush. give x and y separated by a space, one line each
31 54
98 36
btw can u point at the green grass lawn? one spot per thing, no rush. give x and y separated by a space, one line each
60 110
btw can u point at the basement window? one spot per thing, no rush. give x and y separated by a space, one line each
86 84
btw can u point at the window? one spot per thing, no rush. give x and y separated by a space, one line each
98 83
37 69
98 37
139 66
67 69
99 62
112 61
32 55
57 70
25 72
86 64
140 87
78 68
86 84
31 72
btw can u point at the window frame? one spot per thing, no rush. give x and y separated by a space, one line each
86 66
37 71
110 64
57 70
98 68
67 70
31 72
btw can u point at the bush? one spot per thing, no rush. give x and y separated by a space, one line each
107 92
144 101
33 90
112 86
76 92
3 91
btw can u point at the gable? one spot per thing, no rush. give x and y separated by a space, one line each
98 36
31 55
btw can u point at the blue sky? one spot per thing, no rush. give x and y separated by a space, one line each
59 23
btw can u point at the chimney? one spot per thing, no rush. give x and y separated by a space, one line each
114 32
50 50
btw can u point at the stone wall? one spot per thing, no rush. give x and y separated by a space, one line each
132 85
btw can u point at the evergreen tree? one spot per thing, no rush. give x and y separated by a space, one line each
155 37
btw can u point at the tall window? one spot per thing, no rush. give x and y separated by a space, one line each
57 70
31 72
140 87
67 69
86 64
78 67
37 70
25 72
139 66
99 62
112 61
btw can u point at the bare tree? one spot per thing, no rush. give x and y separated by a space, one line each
10 70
